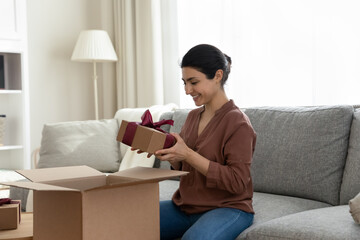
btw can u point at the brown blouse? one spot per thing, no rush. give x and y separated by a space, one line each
228 141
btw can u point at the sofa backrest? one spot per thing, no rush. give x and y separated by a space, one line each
301 151
350 185
179 116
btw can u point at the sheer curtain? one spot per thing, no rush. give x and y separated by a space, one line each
299 52
146 43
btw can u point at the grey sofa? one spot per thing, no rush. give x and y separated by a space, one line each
306 168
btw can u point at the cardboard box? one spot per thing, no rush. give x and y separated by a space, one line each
10 216
143 138
80 202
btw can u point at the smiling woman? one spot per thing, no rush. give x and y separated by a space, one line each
201 64
215 145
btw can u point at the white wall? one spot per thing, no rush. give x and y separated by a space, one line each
62 90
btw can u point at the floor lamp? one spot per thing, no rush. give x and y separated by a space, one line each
94 46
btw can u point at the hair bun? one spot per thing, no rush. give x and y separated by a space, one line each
228 59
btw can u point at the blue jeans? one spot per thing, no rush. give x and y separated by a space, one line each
219 223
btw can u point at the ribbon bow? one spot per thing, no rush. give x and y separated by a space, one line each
147 121
5 201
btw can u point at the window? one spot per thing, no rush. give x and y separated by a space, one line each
298 52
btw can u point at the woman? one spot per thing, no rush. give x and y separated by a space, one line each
215 145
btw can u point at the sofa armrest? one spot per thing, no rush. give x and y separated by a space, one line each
35 157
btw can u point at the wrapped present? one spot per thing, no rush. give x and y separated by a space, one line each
146 135
10 212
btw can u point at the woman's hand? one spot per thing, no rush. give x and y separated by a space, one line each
139 151
181 152
177 153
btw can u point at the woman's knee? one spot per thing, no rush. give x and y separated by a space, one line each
173 222
219 224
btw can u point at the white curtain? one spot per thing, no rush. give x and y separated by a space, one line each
298 52
147 57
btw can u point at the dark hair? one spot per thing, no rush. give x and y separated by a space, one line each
208 59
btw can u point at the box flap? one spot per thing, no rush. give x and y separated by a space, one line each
145 173
59 173
38 186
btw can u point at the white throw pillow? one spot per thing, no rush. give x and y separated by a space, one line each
133 159
92 143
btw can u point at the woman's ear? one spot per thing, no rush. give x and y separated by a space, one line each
219 75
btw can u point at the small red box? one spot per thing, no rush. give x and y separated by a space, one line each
10 215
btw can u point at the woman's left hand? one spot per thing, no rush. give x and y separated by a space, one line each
181 152
177 153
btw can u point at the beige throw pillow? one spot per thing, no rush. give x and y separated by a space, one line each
92 143
355 208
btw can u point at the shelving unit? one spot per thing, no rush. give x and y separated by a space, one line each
13 104
14 98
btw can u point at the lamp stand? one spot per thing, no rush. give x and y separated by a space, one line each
95 92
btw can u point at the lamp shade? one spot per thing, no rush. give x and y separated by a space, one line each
94 46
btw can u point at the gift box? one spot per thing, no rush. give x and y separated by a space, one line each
9 213
146 136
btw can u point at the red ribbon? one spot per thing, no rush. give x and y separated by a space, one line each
5 201
147 121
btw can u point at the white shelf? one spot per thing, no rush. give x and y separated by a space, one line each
14 97
10 147
10 91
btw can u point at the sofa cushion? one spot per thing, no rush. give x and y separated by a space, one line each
331 223
179 116
167 189
20 194
300 151
270 206
350 185
92 143
167 116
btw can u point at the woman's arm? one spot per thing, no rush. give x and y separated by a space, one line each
181 152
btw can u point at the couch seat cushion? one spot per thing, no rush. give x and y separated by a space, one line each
167 189
331 223
270 206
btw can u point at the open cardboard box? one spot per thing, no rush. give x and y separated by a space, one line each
82 203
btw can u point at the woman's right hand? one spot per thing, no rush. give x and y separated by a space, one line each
139 152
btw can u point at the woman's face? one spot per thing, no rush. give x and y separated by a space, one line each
201 89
